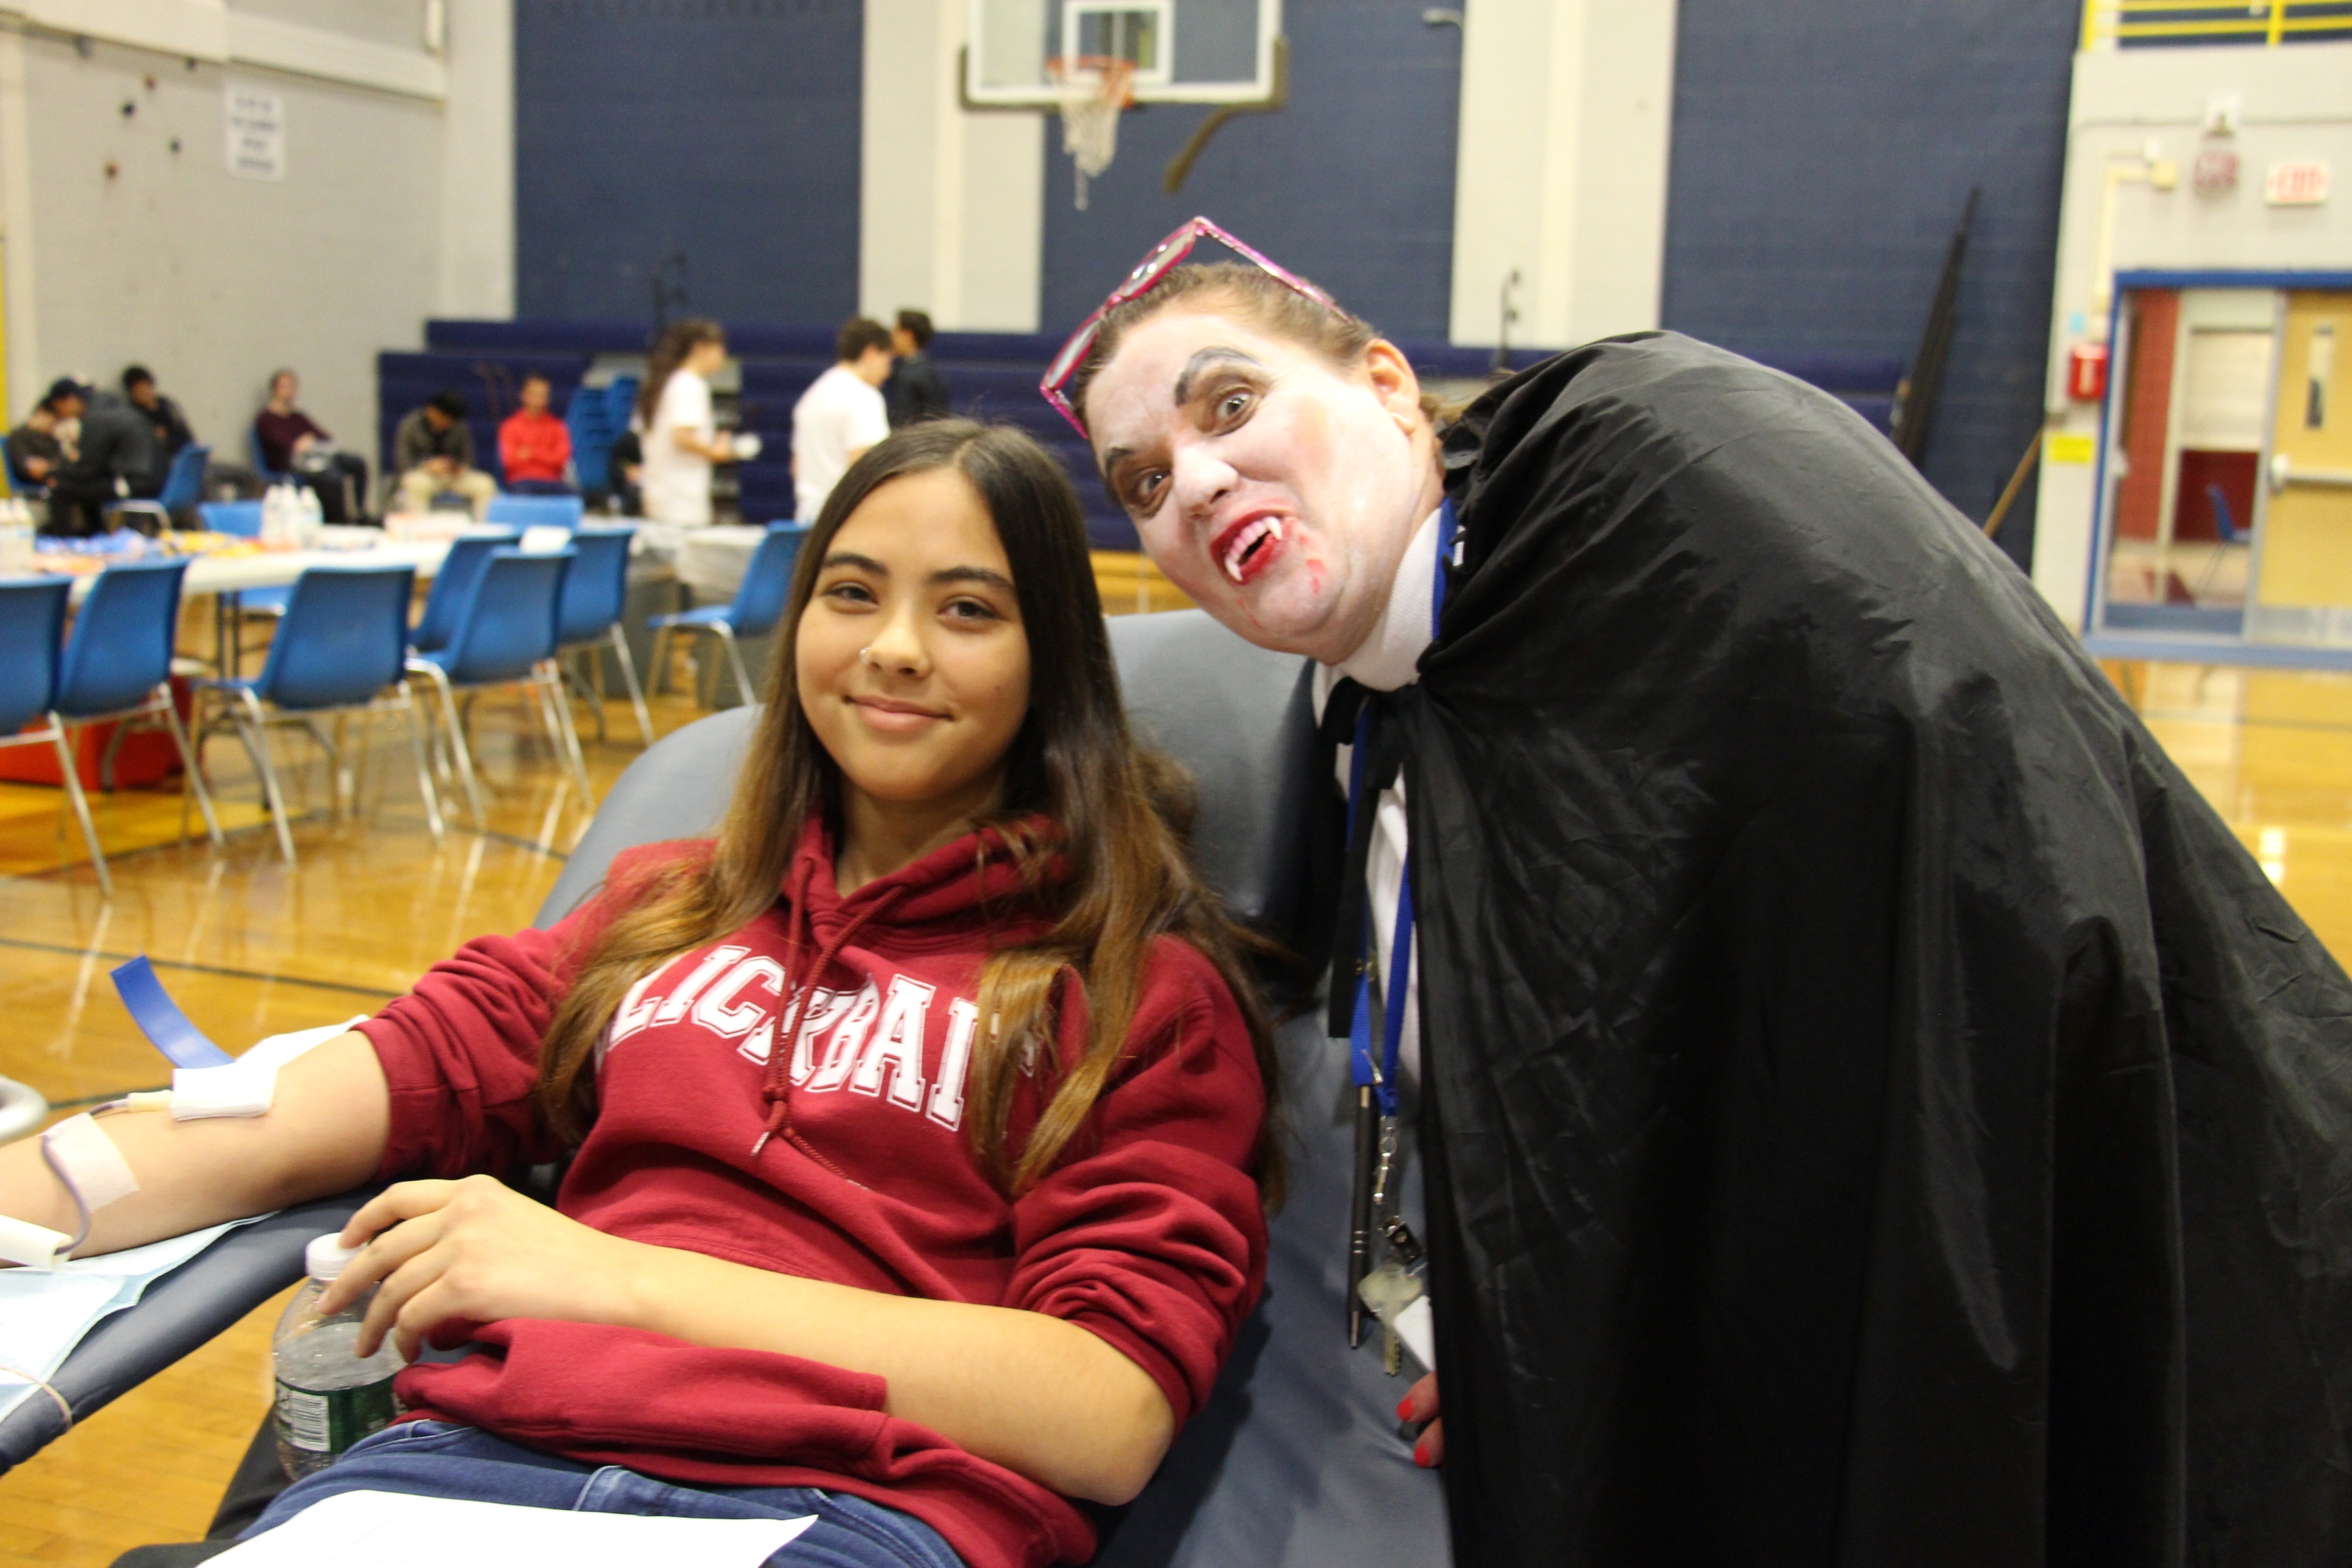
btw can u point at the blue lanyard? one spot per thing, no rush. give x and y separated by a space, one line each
1382 1082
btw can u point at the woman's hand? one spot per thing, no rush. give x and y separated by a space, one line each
475 1251
1420 1404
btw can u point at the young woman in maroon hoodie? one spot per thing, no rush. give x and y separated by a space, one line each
920 1117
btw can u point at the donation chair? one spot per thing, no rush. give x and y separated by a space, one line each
1297 1460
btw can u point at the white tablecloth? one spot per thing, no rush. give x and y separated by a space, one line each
275 568
713 561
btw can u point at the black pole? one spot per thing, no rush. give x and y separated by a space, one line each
1915 400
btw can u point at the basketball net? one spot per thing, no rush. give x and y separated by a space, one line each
1094 91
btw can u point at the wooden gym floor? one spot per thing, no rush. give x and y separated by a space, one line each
250 949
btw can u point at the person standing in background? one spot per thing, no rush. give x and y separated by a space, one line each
436 454
294 443
842 413
110 463
916 389
675 424
534 446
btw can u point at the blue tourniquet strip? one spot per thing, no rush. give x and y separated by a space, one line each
160 1018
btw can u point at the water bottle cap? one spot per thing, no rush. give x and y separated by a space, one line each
325 1256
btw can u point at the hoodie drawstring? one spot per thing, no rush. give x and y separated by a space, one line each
776 1087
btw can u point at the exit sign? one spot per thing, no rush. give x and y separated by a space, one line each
2296 185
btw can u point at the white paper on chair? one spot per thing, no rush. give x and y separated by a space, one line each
388 1529
43 1316
545 539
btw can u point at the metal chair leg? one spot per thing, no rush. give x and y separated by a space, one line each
191 771
735 658
414 712
456 741
567 738
661 661
253 723
629 678
80 805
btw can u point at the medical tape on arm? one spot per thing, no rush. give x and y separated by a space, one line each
93 1173
247 1086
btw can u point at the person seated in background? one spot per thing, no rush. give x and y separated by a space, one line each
841 415
161 414
916 389
113 459
435 453
34 452
293 444
534 446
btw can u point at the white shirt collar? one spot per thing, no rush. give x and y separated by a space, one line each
1390 658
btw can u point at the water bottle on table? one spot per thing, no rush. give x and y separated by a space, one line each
329 1396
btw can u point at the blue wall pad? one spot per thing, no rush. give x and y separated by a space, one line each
1823 152
160 1018
1351 185
729 133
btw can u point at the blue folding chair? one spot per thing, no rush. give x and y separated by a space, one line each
505 636
589 620
117 668
342 646
184 487
758 605
243 520
508 509
32 632
453 587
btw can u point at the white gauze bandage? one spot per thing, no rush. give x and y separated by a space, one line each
80 1147
94 1172
247 1086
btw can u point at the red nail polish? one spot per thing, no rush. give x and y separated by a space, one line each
1404 1408
1421 1455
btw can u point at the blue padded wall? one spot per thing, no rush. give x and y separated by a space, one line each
1823 152
725 129
1352 184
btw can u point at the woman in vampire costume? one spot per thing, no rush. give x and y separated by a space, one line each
1875 1112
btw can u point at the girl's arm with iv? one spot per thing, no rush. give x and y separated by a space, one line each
324 1134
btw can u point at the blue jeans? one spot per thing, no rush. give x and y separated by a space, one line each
434 1458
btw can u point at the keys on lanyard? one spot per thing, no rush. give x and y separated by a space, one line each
1388 1289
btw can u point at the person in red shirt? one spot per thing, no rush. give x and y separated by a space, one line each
534 446
920 1117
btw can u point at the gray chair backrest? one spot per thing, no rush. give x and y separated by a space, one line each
1297 1461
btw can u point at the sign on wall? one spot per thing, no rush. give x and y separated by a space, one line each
2296 185
255 122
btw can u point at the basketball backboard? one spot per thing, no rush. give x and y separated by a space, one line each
1025 53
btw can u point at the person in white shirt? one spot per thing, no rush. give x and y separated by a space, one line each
841 414
674 422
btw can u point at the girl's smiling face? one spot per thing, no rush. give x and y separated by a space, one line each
1276 489
912 665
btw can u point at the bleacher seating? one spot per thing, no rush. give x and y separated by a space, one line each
992 375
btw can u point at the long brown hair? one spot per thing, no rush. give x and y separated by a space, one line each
1118 815
679 339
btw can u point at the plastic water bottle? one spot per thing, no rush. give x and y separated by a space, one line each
328 1397
17 544
273 517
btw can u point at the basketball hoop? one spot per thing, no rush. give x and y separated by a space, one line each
1094 89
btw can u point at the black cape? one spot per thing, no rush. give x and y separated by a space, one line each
1876 1112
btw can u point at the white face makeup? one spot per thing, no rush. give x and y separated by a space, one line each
1278 492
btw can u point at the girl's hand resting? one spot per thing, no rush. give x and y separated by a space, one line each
475 1251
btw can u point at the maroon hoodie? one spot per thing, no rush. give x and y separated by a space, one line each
1149 1233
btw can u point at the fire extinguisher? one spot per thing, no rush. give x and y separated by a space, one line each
2087 371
